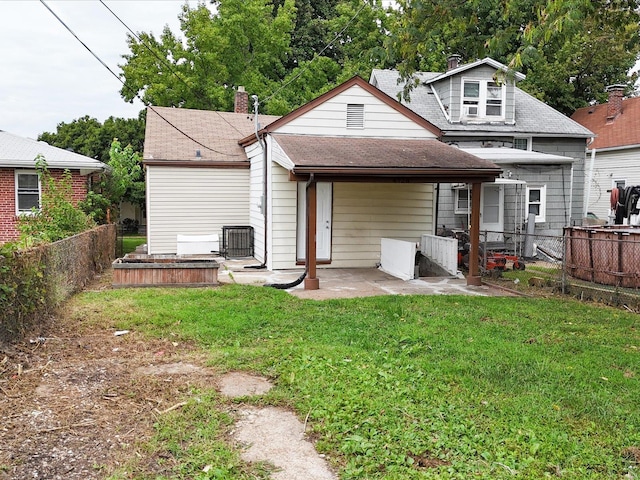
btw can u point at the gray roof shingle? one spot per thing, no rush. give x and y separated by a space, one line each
176 134
533 117
20 152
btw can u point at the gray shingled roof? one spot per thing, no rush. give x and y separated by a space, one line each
367 152
20 152
176 134
533 117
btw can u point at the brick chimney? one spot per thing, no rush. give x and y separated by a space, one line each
614 105
241 103
453 61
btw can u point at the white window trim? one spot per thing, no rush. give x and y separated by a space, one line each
615 181
456 197
25 172
528 139
543 202
482 100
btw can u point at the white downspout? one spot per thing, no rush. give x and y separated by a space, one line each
589 180
264 178
571 195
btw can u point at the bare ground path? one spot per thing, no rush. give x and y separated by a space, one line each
76 400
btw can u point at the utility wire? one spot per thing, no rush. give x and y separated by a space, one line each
282 87
165 63
147 104
305 68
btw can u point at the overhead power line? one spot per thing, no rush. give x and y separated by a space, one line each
145 103
306 67
164 62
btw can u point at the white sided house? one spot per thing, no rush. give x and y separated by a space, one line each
613 158
196 173
321 186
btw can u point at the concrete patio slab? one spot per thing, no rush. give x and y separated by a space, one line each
350 283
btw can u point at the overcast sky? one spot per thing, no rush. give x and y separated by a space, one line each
48 77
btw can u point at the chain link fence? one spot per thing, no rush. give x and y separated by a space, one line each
599 263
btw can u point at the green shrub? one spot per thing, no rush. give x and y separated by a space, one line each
57 217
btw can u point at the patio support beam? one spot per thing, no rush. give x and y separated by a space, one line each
474 268
311 282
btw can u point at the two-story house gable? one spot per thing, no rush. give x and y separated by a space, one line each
479 108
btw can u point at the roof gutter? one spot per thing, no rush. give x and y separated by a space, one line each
435 173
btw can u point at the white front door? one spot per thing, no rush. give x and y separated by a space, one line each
323 221
492 212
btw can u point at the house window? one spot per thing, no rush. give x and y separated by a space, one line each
462 200
355 115
482 98
521 143
537 202
27 191
619 183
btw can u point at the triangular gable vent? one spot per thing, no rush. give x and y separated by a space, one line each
355 115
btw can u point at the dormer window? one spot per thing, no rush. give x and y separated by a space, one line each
482 99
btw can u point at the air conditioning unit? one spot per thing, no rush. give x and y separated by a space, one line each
471 110
237 241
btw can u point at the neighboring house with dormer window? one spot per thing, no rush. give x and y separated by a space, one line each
20 186
479 108
613 159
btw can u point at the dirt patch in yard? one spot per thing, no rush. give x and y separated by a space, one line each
76 400
74 404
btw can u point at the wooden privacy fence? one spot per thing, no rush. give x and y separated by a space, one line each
35 281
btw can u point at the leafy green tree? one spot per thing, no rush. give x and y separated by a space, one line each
87 136
287 52
246 42
123 181
569 49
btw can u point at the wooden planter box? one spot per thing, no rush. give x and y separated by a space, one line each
164 271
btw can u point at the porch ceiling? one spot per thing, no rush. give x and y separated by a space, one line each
382 159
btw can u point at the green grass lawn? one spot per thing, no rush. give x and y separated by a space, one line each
412 387
130 242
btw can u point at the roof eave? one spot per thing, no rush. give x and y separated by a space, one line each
431 175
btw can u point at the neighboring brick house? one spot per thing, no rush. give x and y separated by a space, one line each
478 107
613 158
20 186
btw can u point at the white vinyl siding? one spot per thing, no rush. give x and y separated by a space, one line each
194 201
611 165
256 199
380 120
282 220
363 213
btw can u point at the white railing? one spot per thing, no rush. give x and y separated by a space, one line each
441 250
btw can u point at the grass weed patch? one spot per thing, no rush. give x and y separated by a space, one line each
424 386
130 242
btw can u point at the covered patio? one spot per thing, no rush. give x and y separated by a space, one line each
313 159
